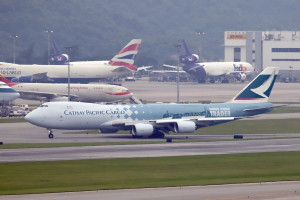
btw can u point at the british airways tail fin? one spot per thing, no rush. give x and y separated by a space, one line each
125 58
6 81
259 89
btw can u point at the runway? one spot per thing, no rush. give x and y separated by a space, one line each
258 191
195 92
149 150
163 92
28 133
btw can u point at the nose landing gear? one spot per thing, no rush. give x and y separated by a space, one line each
50 135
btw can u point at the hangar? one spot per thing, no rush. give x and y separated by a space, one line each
265 49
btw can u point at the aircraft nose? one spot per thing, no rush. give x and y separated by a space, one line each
16 95
33 117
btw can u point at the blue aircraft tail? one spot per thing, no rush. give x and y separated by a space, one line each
57 57
188 58
259 89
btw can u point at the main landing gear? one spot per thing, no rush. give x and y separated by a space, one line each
50 135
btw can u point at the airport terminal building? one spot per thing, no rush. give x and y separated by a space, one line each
266 48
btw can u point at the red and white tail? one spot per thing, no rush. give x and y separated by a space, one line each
125 58
8 82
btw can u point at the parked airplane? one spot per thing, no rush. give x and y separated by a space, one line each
213 69
80 72
156 119
57 58
78 92
7 94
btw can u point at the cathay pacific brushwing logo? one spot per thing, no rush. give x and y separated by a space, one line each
264 87
259 89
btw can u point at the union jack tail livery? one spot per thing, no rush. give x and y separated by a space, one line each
258 90
125 58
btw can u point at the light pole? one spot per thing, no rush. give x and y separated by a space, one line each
14 37
199 33
48 33
69 49
178 46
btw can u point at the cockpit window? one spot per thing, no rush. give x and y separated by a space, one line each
44 105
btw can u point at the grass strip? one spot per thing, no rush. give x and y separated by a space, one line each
101 174
12 120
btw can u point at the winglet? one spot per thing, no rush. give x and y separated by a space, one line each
6 81
125 58
259 89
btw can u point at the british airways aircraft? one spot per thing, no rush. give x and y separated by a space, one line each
145 120
213 69
7 94
80 72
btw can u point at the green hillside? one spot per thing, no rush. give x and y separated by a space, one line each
100 28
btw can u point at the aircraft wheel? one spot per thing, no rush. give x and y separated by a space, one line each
50 136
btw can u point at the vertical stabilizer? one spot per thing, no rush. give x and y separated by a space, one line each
126 56
6 81
259 89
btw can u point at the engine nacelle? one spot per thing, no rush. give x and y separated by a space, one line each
66 57
189 59
241 76
196 57
184 127
144 130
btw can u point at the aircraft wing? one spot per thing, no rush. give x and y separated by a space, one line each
45 95
166 122
167 71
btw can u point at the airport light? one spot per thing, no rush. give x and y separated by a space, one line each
178 46
199 33
69 49
14 37
48 33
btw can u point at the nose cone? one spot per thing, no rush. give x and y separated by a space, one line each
16 95
34 117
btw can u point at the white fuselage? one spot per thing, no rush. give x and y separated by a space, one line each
80 92
86 71
226 68
7 94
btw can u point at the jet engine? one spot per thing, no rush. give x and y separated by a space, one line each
189 59
241 76
184 127
144 130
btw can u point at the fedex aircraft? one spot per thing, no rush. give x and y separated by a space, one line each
154 120
7 94
80 72
213 69
57 58
78 92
